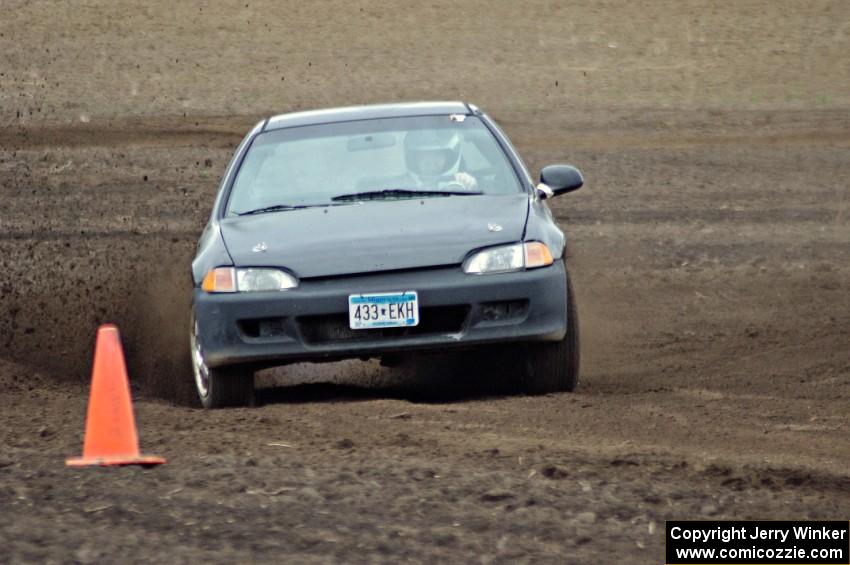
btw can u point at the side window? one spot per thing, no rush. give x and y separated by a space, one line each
483 158
522 164
473 158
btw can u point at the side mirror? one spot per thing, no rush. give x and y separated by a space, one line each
558 179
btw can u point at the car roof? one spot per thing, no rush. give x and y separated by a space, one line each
370 112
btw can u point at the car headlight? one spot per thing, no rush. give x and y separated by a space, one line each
508 258
230 279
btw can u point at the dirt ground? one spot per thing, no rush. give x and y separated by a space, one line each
710 251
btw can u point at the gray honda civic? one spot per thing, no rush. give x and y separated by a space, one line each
375 232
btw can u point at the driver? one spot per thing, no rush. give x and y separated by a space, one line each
433 159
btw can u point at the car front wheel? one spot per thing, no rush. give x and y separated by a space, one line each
223 386
554 366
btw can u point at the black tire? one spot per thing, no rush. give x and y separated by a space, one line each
392 361
223 386
554 366
229 386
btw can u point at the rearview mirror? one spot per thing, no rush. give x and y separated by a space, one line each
371 141
558 179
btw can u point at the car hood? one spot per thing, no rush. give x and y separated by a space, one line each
375 235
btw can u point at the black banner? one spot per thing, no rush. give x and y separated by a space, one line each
692 542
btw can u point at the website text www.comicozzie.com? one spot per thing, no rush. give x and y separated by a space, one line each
754 552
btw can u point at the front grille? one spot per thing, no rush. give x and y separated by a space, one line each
334 327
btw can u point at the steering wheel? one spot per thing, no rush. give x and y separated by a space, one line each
455 185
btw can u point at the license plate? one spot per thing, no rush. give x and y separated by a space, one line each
385 310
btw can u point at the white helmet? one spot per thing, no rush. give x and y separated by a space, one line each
442 141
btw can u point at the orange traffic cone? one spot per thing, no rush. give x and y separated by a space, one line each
110 426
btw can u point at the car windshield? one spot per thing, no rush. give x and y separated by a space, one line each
392 158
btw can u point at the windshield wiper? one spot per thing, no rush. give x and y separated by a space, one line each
278 208
402 193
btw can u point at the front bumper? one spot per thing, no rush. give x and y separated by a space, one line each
310 323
